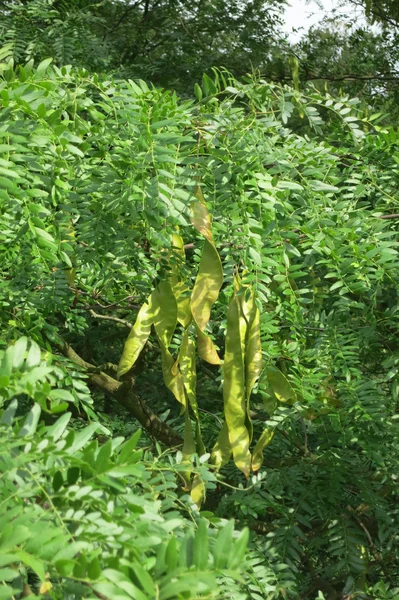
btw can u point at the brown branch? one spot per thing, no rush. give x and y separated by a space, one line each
391 76
97 594
110 318
125 395
392 216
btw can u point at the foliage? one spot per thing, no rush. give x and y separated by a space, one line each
351 58
382 11
85 520
170 42
99 176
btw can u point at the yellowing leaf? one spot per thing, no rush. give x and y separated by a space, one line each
188 370
240 294
280 385
172 377
188 450
70 275
189 373
137 338
200 217
198 439
221 452
45 587
198 491
234 393
207 285
188 442
253 353
179 286
264 440
206 348
178 245
270 402
253 350
165 312
208 282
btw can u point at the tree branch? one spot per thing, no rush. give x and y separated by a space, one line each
122 18
392 216
378 15
125 395
391 76
110 318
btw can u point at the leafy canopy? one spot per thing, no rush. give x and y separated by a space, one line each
98 176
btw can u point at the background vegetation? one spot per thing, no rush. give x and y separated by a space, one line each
192 209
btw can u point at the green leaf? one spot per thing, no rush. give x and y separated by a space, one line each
8 574
198 92
9 414
34 355
32 562
94 569
19 352
31 421
58 481
289 185
171 555
144 579
56 430
82 437
6 593
239 550
201 546
43 66
223 545
208 86
126 450
104 454
320 186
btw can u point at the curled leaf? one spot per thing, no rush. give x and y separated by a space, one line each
208 282
137 338
179 286
165 312
253 350
207 285
280 385
172 376
221 452
200 217
198 490
264 440
188 370
206 348
234 393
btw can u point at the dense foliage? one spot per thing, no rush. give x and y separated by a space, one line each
99 521
221 270
171 42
